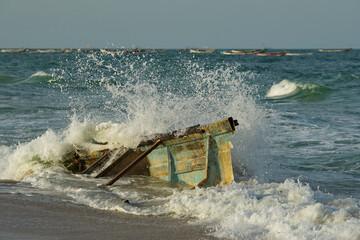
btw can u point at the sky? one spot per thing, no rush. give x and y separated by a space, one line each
281 24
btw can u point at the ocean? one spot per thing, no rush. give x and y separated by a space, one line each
296 154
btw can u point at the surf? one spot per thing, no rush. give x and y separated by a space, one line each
297 91
115 99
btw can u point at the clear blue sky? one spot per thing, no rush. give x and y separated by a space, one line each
180 24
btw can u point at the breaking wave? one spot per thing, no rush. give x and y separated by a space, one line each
291 90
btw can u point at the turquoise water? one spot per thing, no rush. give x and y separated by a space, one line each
299 131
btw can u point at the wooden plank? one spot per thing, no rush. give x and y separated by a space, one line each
128 167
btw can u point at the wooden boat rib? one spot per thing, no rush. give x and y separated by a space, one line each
335 50
201 50
197 156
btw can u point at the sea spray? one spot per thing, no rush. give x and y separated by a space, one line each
138 100
135 91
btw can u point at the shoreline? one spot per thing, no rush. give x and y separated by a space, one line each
32 217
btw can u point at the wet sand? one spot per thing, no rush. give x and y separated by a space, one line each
32 217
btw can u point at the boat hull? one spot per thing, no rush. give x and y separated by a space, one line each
335 50
299 54
200 157
274 54
202 50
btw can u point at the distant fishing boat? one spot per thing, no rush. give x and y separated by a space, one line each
107 50
228 53
160 50
299 54
197 156
235 53
140 51
335 50
113 50
242 52
248 52
271 54
16 50
70 50
73 50
49 50
202 50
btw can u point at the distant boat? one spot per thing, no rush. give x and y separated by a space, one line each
248 52
160 50
242 52
228 53
113 50
235 53
299 54
335 50
49 50
202 50
139 51
70 50
16 50
85 50
271 54
75 50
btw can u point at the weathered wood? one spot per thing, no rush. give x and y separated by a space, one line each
127 168
99 163
171 135
112 165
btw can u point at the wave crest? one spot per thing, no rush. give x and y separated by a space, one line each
305 92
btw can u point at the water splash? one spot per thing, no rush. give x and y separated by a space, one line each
117 98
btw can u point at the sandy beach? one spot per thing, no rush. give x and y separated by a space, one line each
32 217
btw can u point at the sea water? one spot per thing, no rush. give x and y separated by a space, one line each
296 154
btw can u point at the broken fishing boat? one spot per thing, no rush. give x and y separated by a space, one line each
197 156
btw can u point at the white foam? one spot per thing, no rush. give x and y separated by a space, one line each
287 88
32 156
283 89
287 210
246 210
41 74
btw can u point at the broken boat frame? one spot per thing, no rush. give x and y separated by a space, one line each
197 156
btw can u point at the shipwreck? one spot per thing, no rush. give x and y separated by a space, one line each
197 156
